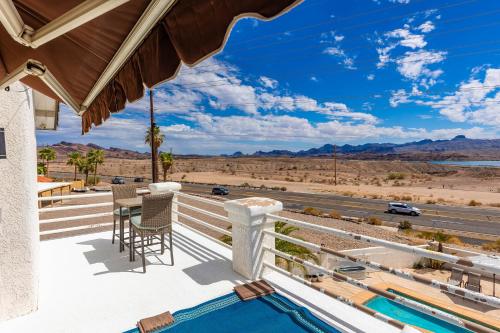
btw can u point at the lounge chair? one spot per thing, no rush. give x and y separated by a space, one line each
155 220
456 278
122 192
473 282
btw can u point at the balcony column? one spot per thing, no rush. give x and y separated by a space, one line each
19 230
248 218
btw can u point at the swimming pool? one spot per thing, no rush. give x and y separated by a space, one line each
413 317
228 314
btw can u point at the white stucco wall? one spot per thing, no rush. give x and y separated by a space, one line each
19 234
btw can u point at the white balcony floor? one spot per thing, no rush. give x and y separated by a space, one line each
86 285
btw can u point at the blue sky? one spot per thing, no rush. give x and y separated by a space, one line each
327 72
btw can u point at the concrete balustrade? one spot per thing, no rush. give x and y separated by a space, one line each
249 221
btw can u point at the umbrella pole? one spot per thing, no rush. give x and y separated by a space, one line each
154 164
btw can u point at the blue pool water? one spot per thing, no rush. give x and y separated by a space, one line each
409 316
228 314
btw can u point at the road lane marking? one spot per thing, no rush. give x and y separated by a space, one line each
447 222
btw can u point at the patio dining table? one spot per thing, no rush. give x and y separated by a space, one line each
129 203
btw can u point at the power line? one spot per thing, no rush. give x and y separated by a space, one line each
344 18
224 81
252 58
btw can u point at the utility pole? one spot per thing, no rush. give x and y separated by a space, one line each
154 165
335 162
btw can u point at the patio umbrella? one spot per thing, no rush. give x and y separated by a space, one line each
97 55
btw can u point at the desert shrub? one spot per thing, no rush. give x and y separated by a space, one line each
92 181
492 246
396 176
263 187
183 176
283 188
474 203
374 220
312 211
245 185
404 225
495 205
41 169
440 237
430 202
406 198
335 215
395 197
441 200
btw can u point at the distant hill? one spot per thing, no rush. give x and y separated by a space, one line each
460 148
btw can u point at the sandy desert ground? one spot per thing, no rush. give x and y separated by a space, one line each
395 180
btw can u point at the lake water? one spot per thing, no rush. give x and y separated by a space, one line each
469 163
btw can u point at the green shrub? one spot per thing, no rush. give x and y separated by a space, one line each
92 181
283 188
374 220
492 246
41 169
396 176
245 185
474 203
312 211
335 215
405 225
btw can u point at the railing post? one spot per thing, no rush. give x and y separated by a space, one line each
157 188
248 218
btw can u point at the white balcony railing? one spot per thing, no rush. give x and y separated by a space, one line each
193 212
178 216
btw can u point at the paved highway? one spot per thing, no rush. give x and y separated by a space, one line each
474 220
464 219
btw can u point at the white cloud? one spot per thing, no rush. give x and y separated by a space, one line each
268 82
370 77
426 27
407 39
475 101
414 64
314 78
336 50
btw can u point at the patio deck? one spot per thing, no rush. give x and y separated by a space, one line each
88 286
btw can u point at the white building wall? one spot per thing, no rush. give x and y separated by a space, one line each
19 234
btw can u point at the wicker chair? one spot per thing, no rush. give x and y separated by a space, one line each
155 220
122 192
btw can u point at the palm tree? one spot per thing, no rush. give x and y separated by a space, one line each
73 159
158 139
284 246
47 154
290 248
95 157
167 160
85 167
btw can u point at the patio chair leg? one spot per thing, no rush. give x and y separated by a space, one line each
132 245
171 249
162 243
114 230
143 258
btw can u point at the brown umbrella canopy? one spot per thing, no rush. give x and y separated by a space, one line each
188 32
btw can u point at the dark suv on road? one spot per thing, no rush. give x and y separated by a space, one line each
117 180
220 190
